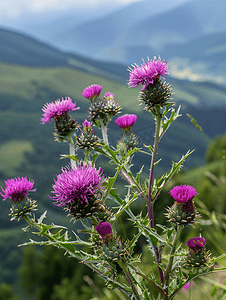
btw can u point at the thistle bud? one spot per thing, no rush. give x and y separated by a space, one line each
197 256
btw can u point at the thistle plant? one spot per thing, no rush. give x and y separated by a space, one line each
82 190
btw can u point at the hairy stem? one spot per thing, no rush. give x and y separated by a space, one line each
170 263
104 132
150 202
129 280
72 151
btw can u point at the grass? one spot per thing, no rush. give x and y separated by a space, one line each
12 155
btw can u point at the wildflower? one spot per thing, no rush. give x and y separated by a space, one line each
109 96
147 73
17 189
196 243
57 108
126 121
105 230
86 123
183 193
87 138
79 190
92 91
75 186
188 285
197 256
183 211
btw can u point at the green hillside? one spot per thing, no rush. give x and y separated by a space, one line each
27 147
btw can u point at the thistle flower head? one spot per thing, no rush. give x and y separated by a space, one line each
109 96
86 123
188 285
77 186
105 230
183 193
126 121
147 73
57 108
92 91
196 243
17 189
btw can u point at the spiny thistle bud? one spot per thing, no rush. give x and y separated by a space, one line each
103 109
105 231
157 93
87 139
183 211
197 256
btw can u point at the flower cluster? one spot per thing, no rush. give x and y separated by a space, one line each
100 110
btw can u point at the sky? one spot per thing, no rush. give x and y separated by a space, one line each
14 8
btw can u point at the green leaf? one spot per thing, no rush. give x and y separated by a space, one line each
149 147
110 183
165 178
73 157
167 122
126 203
42 217
194 122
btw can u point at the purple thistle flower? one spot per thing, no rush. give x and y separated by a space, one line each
92 91
183 193
187 285
196 243
76 185
104 229
109 96
126 121
86 123
57 108
17 189
146 73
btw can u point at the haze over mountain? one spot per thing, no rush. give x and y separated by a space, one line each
190 36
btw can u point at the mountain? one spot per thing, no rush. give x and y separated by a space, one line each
139 24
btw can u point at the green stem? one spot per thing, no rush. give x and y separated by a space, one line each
104 132
72 151
170 263
150 202
87 152
129 280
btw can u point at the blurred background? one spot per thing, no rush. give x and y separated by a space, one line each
54 49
